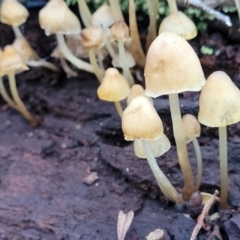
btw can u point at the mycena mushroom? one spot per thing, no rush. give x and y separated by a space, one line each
219 106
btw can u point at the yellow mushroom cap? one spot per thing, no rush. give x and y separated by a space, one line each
11 61
25 50
55 17
172 66
158 146
119 31
103 17
136 90
179 24
114 86
13 13
128 58
141 121
93 37
191 127
219 102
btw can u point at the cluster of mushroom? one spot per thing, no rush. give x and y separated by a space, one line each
17 57
171 66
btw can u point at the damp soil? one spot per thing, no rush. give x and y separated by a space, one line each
48 185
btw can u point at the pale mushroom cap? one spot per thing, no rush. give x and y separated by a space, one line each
119 31
103 17
25 50
114 86
93 37
158 146
55 17
172 66
158 234
191 127
141 121
13 13
11 61
128 58
180 24
219 102
136 90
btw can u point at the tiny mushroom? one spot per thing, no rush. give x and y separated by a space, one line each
113 88
94 38
140 121
219 106
14 14
192 130
104 18
10 64
56 18
120 33
171 72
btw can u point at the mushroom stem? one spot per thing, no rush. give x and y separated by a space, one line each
126 72
70 72
18 101
100 61
172 6
189 187
152 29
70 57
223 166
42 63
116 10
85 13
17 32
199 162
119 108
110 48
97 71
5 95
137 50
164 184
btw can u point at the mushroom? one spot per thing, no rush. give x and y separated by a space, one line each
169 71
104 18
179 24
14 14
113 88
56 18
140 121
29 56
219 106
120 33
94 38
192 129
10 64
